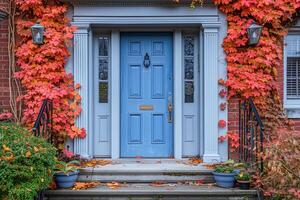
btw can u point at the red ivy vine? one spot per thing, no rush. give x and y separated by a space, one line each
252 72
42 67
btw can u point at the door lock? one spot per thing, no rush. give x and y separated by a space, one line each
170 109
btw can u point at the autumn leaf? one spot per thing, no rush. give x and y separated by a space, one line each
194 161
77 86
113 185
28 154
36 149
95 162
85 185
8 157
157 184
6 148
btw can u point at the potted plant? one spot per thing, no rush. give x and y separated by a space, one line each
243 178
66 173
224 176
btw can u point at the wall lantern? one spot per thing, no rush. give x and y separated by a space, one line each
254 33
37 31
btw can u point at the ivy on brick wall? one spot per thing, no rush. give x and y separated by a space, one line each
42 67
252 72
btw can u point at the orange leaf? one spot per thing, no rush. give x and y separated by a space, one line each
28 154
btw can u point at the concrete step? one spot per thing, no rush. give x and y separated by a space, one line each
145 171
148 192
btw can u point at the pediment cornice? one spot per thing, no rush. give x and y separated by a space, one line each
130 2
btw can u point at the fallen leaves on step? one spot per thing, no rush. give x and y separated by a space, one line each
113 185
195 183
210 166
95 162
157 184
85 185
194 161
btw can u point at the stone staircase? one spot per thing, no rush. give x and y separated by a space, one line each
177 180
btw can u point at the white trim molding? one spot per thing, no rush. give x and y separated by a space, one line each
81 64
115 95
178 101
211 99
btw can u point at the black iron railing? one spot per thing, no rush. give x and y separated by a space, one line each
251 134
43 124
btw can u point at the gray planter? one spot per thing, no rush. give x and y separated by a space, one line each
224 180
66 180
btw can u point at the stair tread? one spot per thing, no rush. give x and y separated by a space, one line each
146 168
147 189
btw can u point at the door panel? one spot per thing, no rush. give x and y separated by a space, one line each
146 91
191 133
101 101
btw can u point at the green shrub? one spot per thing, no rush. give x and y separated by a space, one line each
26 163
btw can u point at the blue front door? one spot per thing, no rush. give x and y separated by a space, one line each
146 95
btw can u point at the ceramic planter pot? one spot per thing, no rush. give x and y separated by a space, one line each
244 185
66 180
224 180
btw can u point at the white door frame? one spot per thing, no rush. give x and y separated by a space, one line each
213 70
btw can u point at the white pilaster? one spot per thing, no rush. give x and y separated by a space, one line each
81 63
178 94
211 107
115 93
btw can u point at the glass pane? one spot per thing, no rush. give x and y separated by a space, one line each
189 91
103 92
103 69
189 68
103 46
189 46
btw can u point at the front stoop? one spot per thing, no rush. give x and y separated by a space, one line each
178 178
148 192
145 171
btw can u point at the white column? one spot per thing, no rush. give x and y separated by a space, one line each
115 93
178 96
211 107
81 63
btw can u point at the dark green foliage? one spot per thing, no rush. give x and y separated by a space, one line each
224 169
26 163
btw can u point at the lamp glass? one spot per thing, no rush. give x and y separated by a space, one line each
254 33
37 31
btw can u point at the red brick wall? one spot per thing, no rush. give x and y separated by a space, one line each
233 109
233 121
4 89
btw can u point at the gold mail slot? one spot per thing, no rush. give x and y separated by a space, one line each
146 107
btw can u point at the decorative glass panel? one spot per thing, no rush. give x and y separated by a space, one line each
189 46
103 69
104 65
189 91
189 68
189 65
103 46
103 92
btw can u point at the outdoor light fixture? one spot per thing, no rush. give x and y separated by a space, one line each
254 33
37 31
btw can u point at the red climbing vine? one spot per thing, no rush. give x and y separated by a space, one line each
42 67
252 72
